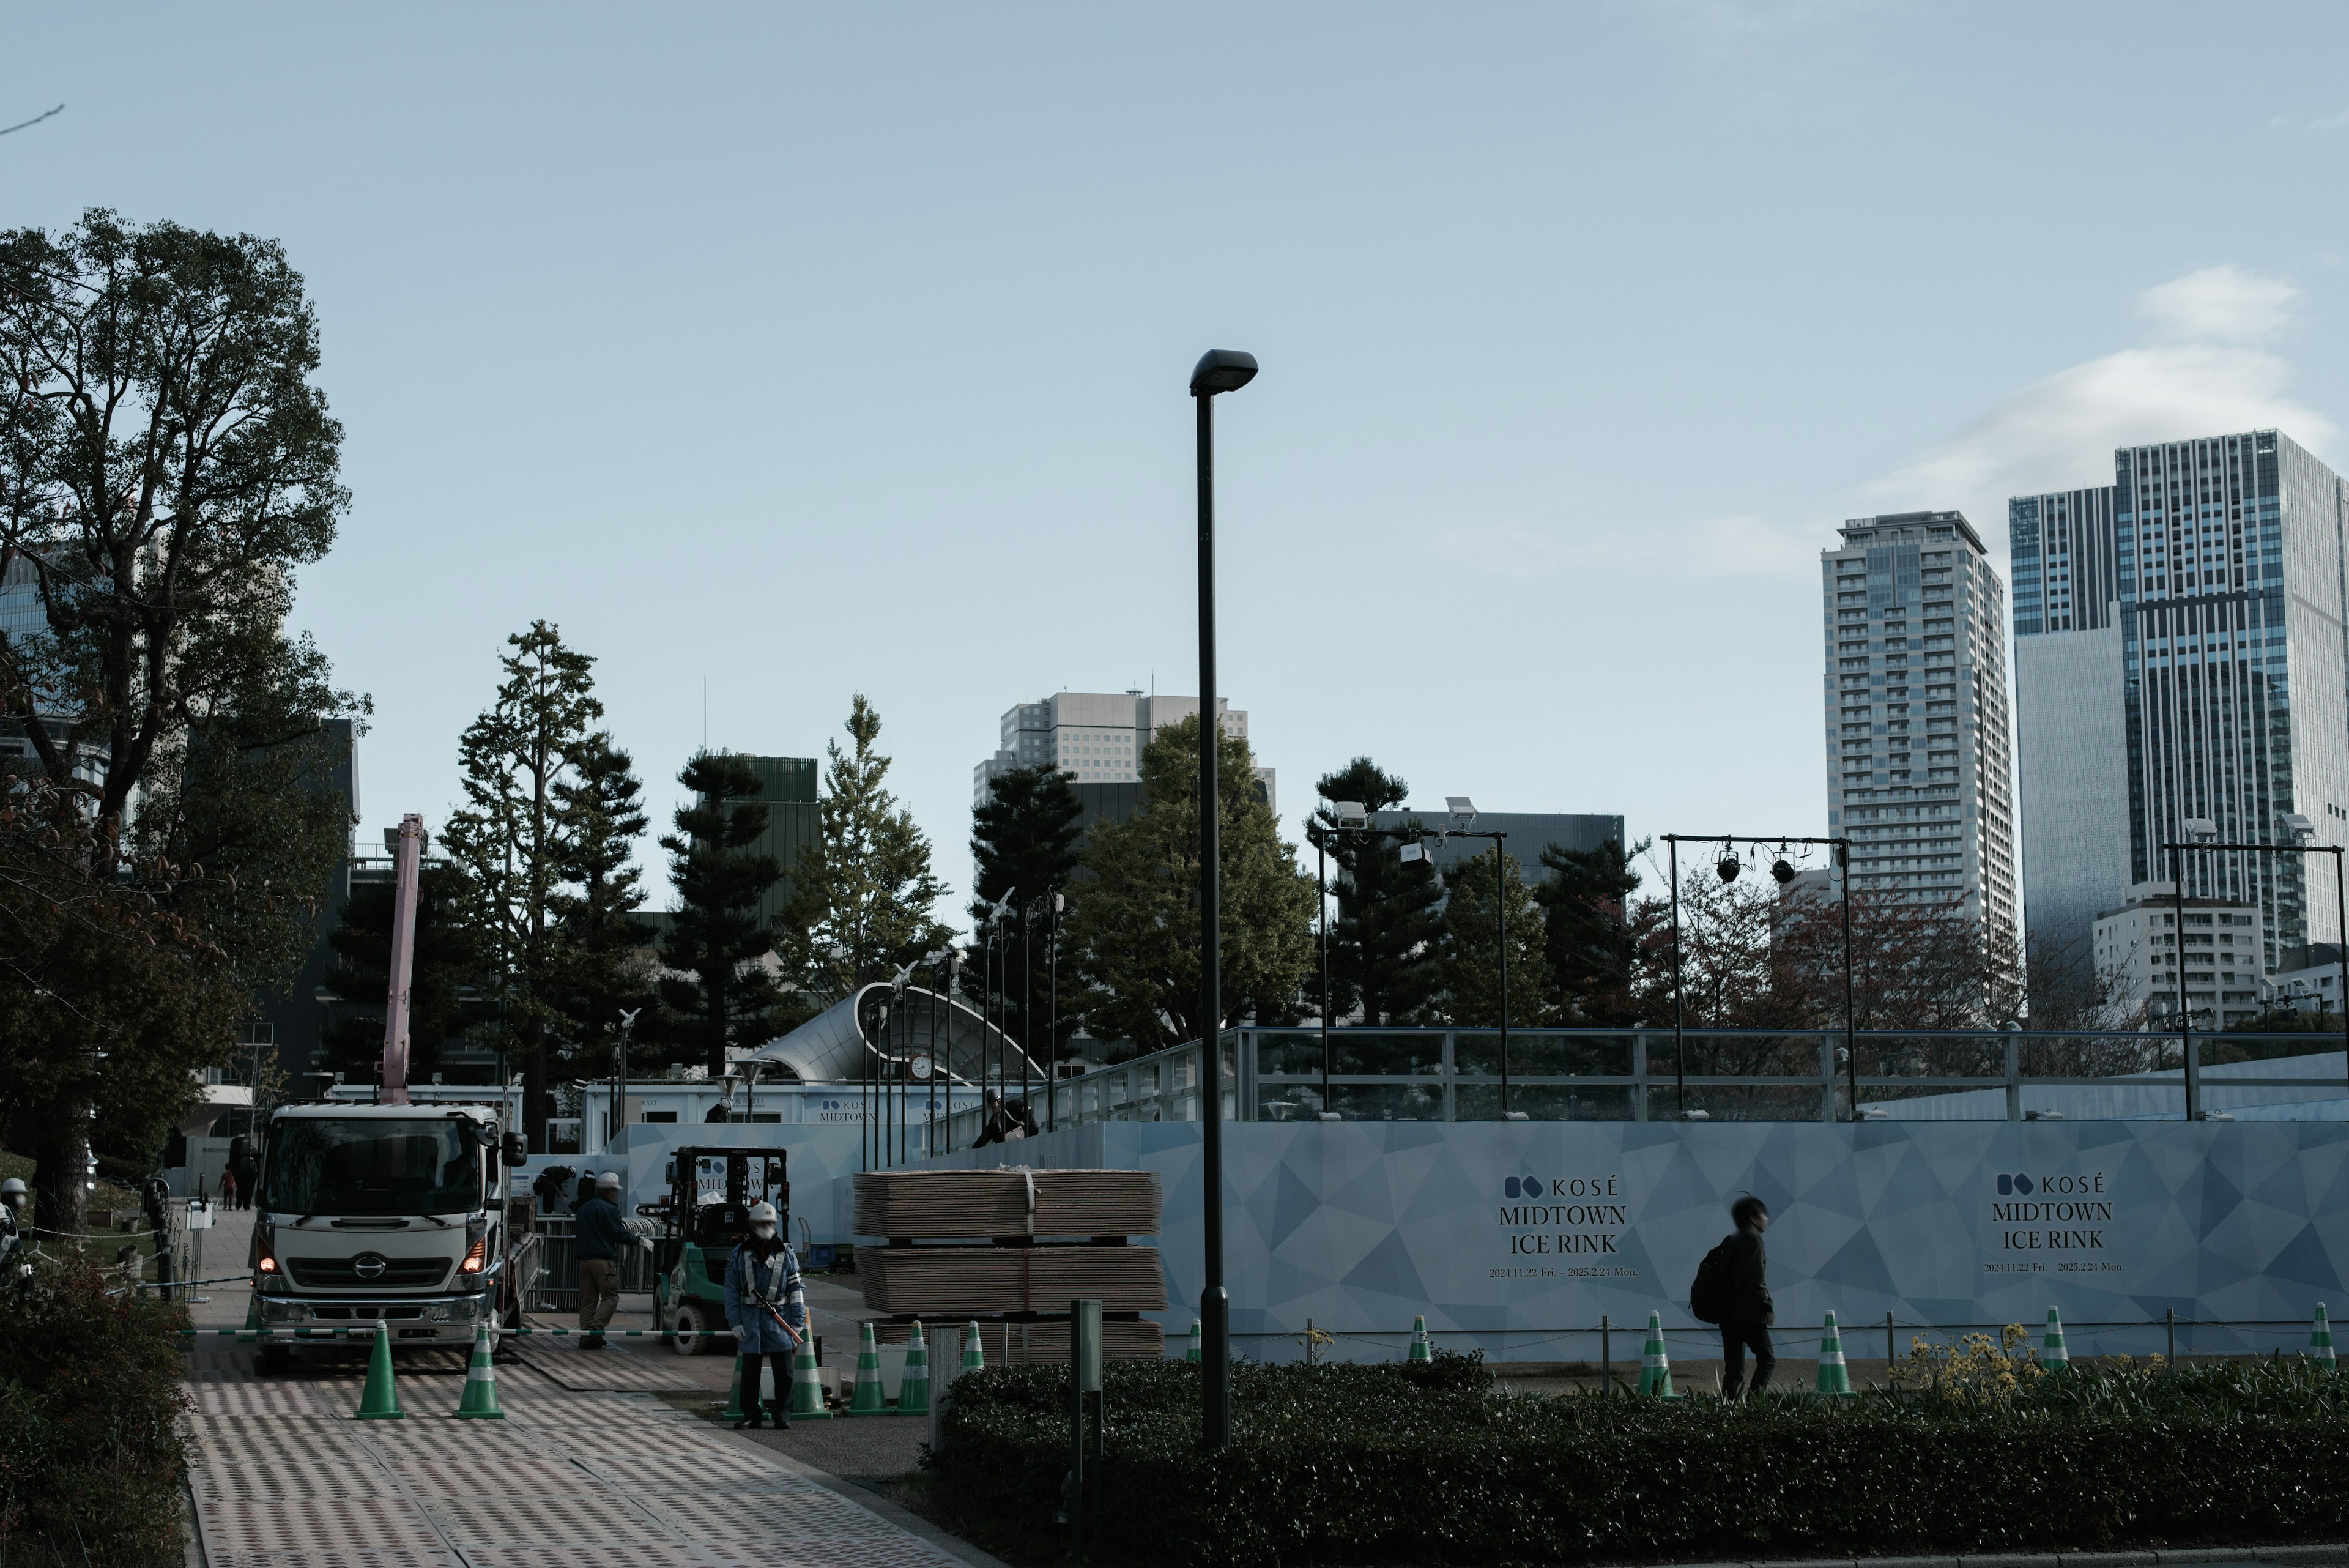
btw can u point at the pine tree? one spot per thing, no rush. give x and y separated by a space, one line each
602 975
718 991
445 976
862 898
1024 846
1136 920
1593 949
1471 962
1383 945
514 839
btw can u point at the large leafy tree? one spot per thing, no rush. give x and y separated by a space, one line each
1593 946
862 898
516 837
1024 846
1472 942
1135 916
167 465
718 991
1384 944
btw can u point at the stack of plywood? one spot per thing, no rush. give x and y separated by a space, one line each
977 1245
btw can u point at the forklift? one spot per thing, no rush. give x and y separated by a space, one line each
711 1194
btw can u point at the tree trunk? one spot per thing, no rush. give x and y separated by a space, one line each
533 1083
60 1169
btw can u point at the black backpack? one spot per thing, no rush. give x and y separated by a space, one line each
1709 1296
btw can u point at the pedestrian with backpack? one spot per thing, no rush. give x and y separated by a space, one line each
1733 1290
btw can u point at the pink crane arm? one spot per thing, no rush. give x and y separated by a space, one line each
404 869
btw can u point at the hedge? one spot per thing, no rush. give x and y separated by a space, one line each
90 1396
1373 1464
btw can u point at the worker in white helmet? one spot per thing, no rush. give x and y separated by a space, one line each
762 1296
599 1234
13 1197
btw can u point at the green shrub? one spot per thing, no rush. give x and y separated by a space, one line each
1352 1463
90 1396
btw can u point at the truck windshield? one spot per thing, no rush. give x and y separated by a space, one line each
322 1166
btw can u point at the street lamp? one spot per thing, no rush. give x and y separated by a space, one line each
1219 370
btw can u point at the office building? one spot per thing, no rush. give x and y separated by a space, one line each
2308 980
787 788
2163 628
1530 833
1915 629
1097 738
2219 951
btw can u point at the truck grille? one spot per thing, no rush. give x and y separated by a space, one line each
345 1273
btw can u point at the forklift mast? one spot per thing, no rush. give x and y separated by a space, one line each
712 1190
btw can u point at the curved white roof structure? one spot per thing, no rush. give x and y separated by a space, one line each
854 1037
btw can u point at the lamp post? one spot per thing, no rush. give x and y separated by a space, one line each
1219 370
2204 833
1052 1045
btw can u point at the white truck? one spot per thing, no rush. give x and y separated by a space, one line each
385 1213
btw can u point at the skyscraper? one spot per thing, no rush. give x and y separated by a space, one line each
1915 625
1095 737
2212 682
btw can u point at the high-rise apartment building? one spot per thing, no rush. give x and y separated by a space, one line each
1095 737
1915 623
2180 654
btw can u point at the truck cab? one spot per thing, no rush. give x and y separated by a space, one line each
390 1214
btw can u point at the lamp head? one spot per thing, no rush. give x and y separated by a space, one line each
1783 869
1222 370
1462 810
1350 813
1727 866
2301 828
1415 853
2201 828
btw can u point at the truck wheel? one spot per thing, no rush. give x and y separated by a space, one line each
273 1360
690 1321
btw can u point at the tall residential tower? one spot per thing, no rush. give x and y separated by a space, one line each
1915 627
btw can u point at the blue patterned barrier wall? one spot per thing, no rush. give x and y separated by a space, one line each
1516 1238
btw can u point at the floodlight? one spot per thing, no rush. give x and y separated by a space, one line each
2201 827
1463 809
1727 866
2300 828
1416 853
1782 869
1350 813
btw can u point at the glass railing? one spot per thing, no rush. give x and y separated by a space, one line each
1715 1074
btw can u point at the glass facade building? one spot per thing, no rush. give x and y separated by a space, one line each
1914 622
2181 654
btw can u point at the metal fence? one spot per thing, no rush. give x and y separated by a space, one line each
1718 1074
557 1287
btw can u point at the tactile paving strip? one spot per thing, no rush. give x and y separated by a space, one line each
810 1514
293 1524
551 1521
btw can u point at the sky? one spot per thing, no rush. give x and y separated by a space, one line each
806 352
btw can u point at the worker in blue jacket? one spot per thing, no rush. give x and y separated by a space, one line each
762 1294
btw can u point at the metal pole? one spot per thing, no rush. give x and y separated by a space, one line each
2341 909
1850 1030
1679 1014
2171 1315
1321 908
2185 1019
1052 1044
1026 998
1214 1305
1606 1357
1501 903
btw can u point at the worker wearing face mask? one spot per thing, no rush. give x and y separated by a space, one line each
761 1288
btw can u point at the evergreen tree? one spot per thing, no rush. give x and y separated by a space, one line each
717 992
1135 916
445 982
1470 964
862 898
603 974
1383 945
1024 846
1593 951
514 839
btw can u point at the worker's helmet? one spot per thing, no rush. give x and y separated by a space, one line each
763 1214
12 1187
610 1179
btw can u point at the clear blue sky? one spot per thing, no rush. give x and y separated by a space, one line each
841 348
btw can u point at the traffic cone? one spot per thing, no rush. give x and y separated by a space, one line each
1835 1377
481 1400
734 1411
1198 1351
974 1357
380 1399
2051 1353
2320 1339
1655 1367
913 1391
807 1389
868 1401
1420 1349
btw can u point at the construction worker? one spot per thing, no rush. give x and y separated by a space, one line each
761 1278
601 1234
13 1196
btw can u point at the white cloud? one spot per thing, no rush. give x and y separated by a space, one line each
2219 305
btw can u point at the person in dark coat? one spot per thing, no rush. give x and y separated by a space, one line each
1746 1325
762 1284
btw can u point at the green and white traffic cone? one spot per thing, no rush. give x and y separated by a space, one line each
913 1389
2320 1340
2051 1353
868 1401
734 1411
1655 1367
974 1358
380 1399
1420 1349
481 1400
1835 1376
807 1387
1198 1351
